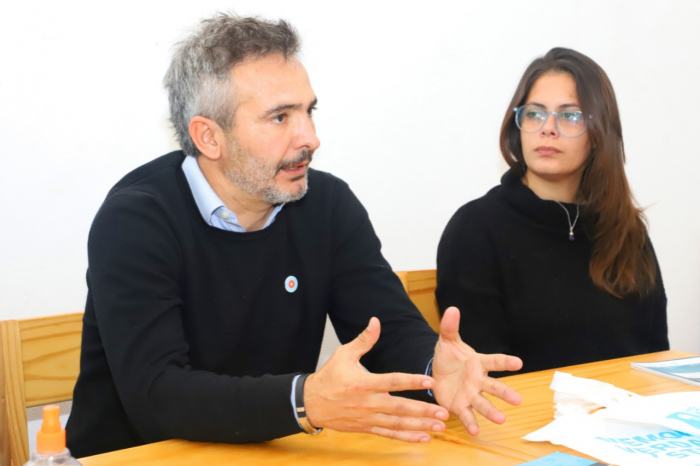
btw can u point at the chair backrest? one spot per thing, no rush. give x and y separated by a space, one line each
420 286
40 362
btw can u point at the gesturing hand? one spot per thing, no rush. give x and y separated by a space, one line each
460 375
343 396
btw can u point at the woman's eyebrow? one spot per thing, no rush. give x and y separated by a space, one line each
566 105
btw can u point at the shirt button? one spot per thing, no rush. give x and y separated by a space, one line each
224 215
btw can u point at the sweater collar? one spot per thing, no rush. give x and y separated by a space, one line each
528 204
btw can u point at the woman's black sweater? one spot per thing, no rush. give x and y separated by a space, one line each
505 260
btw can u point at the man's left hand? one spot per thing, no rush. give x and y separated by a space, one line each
461 375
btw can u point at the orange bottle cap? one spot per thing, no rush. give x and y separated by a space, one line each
51 438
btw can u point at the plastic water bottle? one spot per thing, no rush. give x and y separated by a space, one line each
51 442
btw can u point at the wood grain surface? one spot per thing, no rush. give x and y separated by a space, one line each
51 357
537 408
40 363
495 446
328 448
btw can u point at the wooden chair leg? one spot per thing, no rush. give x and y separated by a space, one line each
4 422
14 416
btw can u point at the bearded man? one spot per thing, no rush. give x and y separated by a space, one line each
212 270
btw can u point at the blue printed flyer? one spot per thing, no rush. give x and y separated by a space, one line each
625 443
684 370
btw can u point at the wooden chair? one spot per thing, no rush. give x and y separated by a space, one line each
40 361
420 286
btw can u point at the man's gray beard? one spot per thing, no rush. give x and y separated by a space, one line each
259 181
274 195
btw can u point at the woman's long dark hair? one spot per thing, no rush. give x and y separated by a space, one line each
622 262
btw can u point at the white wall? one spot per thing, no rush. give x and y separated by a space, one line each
411 98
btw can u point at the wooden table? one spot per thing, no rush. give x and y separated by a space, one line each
537 408
328 448
495 446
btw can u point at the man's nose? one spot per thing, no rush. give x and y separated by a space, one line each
306 138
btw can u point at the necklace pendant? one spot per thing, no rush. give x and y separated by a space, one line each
568 218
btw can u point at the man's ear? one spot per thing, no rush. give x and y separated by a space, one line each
207 136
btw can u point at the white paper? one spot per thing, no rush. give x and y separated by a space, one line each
579 395
631 430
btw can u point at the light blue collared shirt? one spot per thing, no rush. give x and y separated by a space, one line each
212 209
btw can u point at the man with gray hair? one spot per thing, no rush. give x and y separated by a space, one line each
212 270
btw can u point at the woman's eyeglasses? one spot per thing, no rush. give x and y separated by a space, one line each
569 123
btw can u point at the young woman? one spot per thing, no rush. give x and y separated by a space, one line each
555 265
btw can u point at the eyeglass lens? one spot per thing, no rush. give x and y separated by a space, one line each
531 119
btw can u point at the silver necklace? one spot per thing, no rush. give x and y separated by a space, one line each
568 217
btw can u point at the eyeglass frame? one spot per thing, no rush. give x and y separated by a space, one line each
556 120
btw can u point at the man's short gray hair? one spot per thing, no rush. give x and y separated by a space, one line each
198 80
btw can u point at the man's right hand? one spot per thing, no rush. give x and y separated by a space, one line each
343 396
